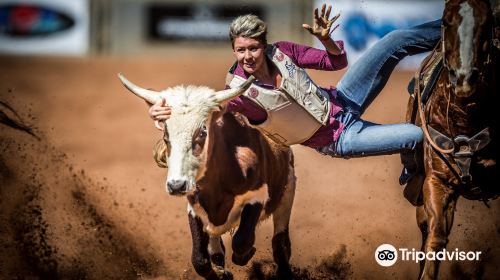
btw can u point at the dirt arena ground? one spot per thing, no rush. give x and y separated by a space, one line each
86 200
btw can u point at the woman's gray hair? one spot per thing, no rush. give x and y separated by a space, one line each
248 26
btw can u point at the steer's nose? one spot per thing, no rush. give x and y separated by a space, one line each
176 186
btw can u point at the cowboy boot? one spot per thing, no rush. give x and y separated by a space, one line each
413 174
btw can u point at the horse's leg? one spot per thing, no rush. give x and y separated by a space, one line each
199 256
439 205
281 240
422 225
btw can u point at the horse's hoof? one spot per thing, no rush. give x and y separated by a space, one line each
242 260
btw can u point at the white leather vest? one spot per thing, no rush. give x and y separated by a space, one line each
297 109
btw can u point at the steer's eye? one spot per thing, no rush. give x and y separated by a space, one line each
199 138
203 132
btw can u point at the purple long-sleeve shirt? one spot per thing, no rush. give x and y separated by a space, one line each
308 58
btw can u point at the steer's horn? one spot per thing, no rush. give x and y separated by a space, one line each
150 96
227 94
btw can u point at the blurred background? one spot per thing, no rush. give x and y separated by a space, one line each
160 27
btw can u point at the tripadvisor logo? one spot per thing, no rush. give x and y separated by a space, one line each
387 255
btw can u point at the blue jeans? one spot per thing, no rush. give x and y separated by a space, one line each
361 85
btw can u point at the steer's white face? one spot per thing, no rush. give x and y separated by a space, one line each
185 135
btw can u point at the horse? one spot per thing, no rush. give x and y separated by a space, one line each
461 146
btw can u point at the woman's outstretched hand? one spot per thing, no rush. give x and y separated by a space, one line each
322 27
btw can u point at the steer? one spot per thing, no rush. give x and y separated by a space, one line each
232 176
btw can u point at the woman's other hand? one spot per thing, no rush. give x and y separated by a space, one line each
160 112
322 27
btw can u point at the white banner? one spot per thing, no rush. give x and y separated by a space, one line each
55 27
363 22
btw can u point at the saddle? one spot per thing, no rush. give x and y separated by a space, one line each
428 77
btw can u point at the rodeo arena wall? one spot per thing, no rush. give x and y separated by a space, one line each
82 198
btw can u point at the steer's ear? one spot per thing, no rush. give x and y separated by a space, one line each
149 96
231 93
